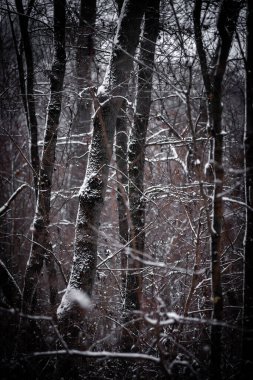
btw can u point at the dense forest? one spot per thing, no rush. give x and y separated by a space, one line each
126 201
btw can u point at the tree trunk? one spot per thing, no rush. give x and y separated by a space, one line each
137 166
41 246
122 189
226 24
84 57
91 196
81 124
31 104
228 16
84 60
248 238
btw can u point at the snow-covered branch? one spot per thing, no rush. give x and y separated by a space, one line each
99 354
6 206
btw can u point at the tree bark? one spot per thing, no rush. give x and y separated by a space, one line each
248 238
91 196
84 59
228 16
226 24
81 124
136 157
122 189
31 104
41 239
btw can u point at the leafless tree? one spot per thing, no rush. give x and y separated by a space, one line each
41 250
107 103
226 24
248 240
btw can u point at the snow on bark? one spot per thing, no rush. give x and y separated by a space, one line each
6 206
91 197
75 296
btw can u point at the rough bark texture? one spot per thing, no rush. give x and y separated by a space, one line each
107 105
248 239
226 24
41 240
31 104
136 159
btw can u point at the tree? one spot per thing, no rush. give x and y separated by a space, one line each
136 163
41 250
139 300
28 93
248 240
84 65
122 189
107 103
226 24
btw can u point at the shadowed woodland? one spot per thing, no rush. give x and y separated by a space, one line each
126 205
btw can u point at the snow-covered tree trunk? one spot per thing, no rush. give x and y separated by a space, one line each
248 238
109 98
41 246
226 24
136 157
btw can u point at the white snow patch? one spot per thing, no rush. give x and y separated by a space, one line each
74 296
81 298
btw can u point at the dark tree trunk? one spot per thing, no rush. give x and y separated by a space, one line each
248 239
30 105
84 58
122 188
84 63
136 157
41 249
81 124
228 16
91 196
226 24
